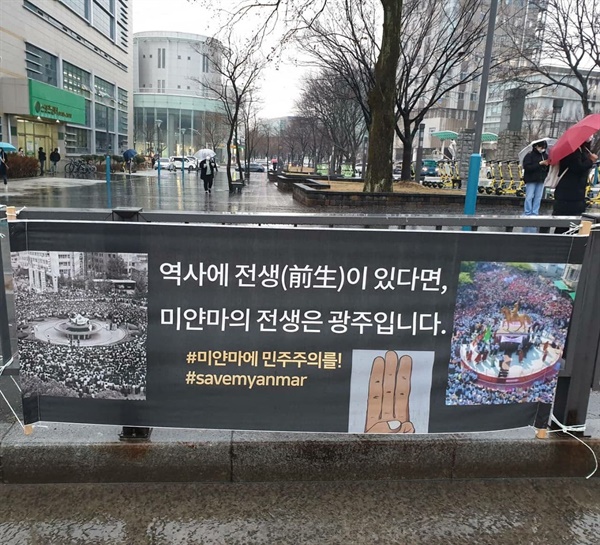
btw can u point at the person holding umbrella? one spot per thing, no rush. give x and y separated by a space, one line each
572 153
535 170
128 155
3 166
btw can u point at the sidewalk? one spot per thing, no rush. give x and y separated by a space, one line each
86 453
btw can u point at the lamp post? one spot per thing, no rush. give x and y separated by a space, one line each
158 124
107 146
475 160
183 154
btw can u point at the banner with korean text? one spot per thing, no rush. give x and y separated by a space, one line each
290 329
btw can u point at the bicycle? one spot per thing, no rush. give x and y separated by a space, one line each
79 166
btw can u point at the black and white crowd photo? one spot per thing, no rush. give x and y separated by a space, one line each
82 320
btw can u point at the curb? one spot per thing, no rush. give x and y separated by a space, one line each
74 453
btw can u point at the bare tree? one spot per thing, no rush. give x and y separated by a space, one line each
239 64
438 54
559 48
252 134
536 122
326 97
145 132
215 130
297 15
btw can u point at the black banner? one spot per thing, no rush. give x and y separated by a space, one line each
360 331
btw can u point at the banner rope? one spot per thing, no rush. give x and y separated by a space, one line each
570 430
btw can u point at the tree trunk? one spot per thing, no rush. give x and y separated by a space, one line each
405 175
382 102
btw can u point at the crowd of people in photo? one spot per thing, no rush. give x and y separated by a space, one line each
483 340
87 371
113 308
114 370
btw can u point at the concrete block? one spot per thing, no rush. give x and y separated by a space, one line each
85 453
327 457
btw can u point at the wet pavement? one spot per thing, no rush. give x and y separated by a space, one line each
145 190
511 512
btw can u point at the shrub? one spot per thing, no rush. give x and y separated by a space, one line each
22 167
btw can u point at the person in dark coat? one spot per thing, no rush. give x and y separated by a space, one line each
535 170
3 166
42 160
569 195
54 159
208 167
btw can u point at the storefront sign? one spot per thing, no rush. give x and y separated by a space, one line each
49 102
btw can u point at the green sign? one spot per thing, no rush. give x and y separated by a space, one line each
52 103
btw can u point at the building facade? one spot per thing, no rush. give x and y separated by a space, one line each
175 107
66 78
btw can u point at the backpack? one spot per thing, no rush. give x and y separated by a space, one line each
553 176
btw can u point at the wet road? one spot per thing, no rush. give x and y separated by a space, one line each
146 191
549 512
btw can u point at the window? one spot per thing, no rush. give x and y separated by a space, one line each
105 117
40 65
77 140
103 21
204 62
123 124
179 57
80 7
76 80
179 87
123 99
161 57
103 88
189 58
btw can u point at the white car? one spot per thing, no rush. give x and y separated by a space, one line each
165 164
190 163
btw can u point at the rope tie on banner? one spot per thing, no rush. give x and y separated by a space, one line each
570 430
573 229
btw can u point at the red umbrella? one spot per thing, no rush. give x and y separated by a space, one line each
573 137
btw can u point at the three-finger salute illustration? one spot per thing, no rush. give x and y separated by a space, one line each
389 392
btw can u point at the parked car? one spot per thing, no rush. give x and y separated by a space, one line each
253 167
189 165
165 164
429 167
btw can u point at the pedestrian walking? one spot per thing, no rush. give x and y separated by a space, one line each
3 166
21 153
208 167
535 170
54 159
42 160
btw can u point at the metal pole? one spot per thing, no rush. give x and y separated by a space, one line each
419 160
5 344
158 124
475 161
183 155
573 393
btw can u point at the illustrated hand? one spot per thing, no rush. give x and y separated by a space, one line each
388 398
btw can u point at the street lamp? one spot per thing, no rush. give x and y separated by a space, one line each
158 124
